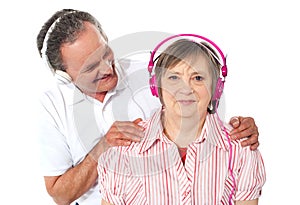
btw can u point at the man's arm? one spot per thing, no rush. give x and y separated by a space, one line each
72 184
66 188
245 127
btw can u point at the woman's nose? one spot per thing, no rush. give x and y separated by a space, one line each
186 88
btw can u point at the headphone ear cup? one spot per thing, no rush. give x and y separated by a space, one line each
217 95
153 86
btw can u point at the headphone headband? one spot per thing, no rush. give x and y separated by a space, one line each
47 35
151 62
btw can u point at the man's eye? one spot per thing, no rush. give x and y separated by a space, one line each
109 62
91 67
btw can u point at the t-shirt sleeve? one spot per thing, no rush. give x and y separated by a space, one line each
251 175
112 183
54 155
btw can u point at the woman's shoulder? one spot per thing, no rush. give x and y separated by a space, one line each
120 153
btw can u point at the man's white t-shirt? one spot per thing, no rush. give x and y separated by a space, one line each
71 123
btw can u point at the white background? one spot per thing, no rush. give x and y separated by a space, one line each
261 38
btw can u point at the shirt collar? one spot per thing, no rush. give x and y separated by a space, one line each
153 131
214 131
75 95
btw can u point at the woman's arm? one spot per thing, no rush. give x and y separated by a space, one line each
105 203
249 202
250 178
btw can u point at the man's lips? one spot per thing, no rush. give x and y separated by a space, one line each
102 78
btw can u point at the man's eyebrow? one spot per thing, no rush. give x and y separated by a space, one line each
91 66
107 51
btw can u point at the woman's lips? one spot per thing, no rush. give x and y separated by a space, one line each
186 102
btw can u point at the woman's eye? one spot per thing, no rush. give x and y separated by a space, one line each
173 77
198 78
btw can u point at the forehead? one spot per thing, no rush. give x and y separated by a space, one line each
88 44
98 53
191 64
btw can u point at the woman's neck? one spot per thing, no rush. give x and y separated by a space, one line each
182 131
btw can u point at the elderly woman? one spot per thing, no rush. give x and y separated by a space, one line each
186 156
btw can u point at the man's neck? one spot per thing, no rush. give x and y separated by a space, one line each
98 96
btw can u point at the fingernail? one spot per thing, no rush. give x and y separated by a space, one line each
235 123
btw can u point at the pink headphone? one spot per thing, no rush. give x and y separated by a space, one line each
220 83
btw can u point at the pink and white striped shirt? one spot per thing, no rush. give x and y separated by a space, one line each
151 172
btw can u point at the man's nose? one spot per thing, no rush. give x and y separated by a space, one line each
105 67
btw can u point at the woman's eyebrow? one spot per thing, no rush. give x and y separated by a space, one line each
172 72
196 72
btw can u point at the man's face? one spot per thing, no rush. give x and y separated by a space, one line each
90 62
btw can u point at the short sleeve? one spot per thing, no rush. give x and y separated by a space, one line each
251 175
112 184
54 155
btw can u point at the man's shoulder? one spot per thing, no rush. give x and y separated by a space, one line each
56 92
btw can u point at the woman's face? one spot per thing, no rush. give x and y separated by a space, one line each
186 88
